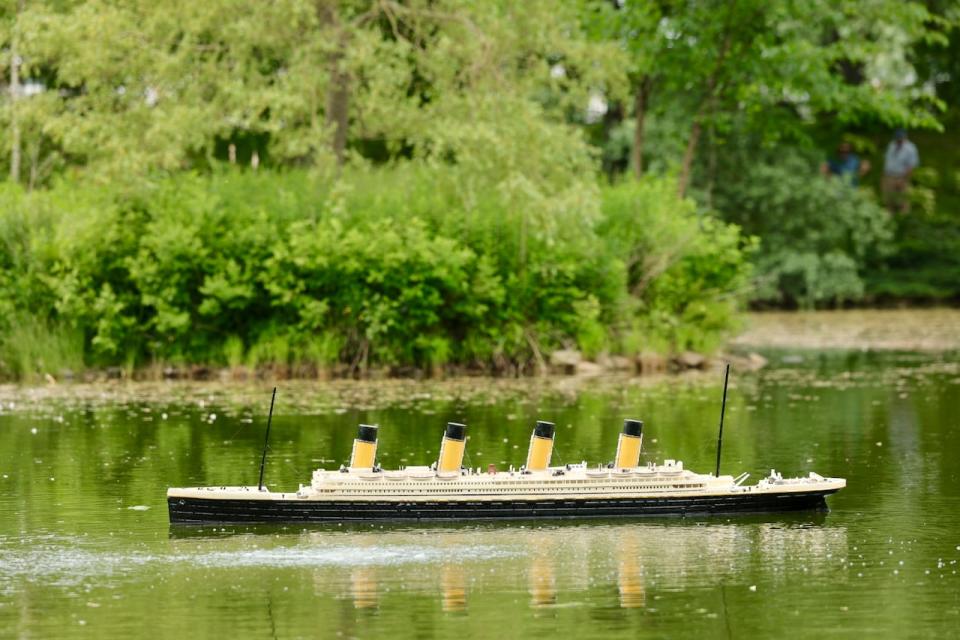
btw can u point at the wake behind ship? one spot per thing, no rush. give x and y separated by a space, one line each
448 491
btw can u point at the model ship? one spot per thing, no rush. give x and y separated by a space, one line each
446 490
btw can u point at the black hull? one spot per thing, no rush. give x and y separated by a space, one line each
213 510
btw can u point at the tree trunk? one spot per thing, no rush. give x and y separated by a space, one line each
639 114
338 94
338 103
711 164
34 166
709 100
688 156
14 98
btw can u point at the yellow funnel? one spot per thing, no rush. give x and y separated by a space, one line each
364 447
541 446
451 448
628 446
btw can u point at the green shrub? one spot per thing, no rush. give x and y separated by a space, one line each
818 235
417 265
233 351
687 273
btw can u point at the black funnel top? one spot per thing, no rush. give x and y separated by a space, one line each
367 433
544 429
633 427
455 431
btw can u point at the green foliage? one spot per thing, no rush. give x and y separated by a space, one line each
687 273
819 235
409 266
124 89
778 64
719 87
925 262
394 299
477 110
426 194
32 346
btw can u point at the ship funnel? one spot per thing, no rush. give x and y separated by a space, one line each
628 447
541 446
451 448
364 447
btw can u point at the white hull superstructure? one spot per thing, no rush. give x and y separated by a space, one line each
570 481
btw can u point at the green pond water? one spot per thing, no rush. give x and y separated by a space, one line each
86 549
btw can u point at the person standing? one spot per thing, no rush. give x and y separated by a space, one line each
898 165
846 165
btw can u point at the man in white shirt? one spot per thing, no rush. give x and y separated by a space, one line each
898 164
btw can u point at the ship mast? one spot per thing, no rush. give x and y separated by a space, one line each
266 440
723 408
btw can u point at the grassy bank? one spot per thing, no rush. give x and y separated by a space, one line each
396 268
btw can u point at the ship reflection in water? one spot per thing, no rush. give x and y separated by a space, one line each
623 565
629 571
543 580
453 585
363 587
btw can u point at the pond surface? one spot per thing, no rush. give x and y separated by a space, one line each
86 549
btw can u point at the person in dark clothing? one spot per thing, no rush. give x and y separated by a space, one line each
846 165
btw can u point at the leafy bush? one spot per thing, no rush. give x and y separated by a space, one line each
687 273
818 235
403 266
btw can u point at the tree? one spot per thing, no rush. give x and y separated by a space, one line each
778 65
127 88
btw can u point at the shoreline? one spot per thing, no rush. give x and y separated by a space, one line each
561 364
934 330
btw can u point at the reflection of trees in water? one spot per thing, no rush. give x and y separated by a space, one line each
813 550
136 439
